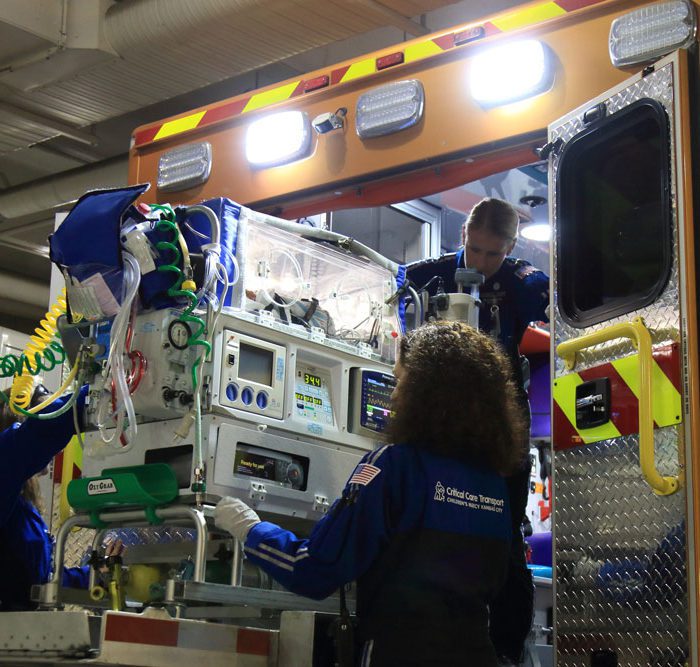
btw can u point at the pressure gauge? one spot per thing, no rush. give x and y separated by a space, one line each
178 334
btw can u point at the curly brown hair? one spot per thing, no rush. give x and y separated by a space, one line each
455 397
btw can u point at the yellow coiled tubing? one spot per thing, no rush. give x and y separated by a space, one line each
23 384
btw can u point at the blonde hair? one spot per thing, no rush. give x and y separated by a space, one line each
495 216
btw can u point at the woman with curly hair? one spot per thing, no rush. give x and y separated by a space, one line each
423 525
514 293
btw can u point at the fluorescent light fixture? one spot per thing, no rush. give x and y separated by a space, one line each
184 167
390 108
651 32
511 72
278 138
538 231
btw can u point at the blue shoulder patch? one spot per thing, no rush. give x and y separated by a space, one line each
525 270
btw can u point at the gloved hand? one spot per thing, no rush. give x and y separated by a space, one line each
235 516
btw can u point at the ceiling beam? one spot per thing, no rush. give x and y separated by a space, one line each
49 193
41 120
17 288
396 19
24 246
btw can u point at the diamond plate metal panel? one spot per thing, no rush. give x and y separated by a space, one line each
79 542
620 550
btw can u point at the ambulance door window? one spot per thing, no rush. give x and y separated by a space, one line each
614 204
402 232
451 229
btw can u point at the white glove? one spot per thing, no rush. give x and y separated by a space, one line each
235 516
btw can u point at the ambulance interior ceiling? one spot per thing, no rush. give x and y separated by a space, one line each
399 231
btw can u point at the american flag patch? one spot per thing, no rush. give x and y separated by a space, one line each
364 474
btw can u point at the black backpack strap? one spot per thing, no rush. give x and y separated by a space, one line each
343 633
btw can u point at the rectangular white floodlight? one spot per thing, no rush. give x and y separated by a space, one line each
278 139
512 72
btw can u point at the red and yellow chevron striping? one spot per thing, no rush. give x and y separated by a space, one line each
623 375
363 67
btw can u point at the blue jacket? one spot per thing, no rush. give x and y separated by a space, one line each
426 538
25 543
514 296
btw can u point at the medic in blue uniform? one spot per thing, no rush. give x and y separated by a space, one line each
423 526
514 294
25 543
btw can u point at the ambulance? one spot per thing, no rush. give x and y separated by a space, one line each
584 112
599 100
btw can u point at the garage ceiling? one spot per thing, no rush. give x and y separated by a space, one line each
77 76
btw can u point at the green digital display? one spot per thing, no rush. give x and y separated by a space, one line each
312 380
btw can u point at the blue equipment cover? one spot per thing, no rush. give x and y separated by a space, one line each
86 245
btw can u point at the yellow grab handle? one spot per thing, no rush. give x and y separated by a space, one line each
639 335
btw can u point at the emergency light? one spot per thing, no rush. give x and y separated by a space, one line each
278 138
184 167
390 108
650 32
539 231
511 72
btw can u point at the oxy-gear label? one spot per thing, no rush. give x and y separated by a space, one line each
99 486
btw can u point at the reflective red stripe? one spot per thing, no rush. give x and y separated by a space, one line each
338 74
58 468
228 110
445 41
298 90
147 135
140 630
253 642
669 360
491 29
564 434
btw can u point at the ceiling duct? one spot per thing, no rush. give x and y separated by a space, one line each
60 190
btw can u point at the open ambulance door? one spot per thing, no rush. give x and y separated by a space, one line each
625 374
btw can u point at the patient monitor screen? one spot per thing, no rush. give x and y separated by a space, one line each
255 364
376 399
